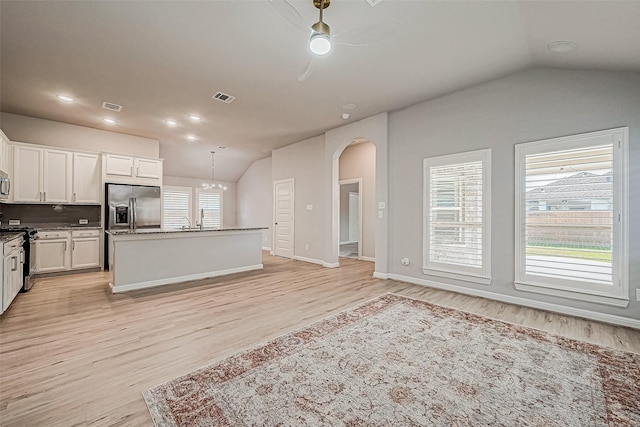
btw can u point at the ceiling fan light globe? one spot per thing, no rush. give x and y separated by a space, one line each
319 44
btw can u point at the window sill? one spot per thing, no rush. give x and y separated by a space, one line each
466 277
612 300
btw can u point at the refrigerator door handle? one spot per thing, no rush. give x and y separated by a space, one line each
135 216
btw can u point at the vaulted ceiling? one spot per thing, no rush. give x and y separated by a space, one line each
165 60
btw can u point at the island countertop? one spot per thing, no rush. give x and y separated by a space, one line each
147 231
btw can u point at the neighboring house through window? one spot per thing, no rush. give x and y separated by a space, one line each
571 217
456 216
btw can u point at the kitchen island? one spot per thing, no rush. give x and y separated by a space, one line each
146 258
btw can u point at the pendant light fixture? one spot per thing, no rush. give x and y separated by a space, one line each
212 185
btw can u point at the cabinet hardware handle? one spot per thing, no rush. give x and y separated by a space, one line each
131 170
44 197
74 197
73 245
138 171
14 259
65 246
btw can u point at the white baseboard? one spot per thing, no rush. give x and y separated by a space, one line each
578 312
180 279
264 248
305 259
379 275
367 258
331 264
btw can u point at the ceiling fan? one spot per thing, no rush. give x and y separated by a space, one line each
320 39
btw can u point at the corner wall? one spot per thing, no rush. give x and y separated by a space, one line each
255 199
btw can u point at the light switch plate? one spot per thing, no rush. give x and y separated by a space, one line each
309 207
381 205
14 222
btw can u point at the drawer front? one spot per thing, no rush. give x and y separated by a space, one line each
85 233
13 244
46 235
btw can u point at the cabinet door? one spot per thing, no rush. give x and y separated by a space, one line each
56 176
86 178
119 165
27 174
4 151
52 255
85 253
12 279
147 168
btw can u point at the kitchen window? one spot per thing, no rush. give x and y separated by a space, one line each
571 217
456 216
209 204
176 207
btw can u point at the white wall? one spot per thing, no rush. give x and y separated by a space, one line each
46 132
528 106
303 162
359 161
229 203
255 199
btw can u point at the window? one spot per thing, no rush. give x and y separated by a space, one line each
571 217
456 216
176 207
209 203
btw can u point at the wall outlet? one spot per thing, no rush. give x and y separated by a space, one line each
380 214
306 246
309 207
14 222
83 221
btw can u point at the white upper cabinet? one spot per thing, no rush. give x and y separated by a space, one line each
4 152
119 166
122 169
41 175
86 178
27 174
56 176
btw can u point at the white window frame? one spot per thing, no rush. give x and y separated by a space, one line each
188 190
616 294
481 275
196 203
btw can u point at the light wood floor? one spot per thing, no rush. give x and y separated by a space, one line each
71 353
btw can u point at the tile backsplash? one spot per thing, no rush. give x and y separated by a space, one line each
50 214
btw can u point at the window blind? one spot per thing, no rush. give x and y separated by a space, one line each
569 214
455 214
176 207
210 202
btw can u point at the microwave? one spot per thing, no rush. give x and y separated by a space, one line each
5 185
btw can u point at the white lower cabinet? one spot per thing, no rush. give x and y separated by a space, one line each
67 250
53 252
12 272
85 249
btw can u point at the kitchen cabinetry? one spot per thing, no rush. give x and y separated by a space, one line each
63 250
4 152
86 178
122 169
41 175
12 273
85 249
53 251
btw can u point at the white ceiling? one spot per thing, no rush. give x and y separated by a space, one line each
166 59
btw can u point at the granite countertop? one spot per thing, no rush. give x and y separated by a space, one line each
67 227
191 230
7 236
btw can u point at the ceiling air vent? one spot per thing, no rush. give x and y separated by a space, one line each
373 3
224 97
111 106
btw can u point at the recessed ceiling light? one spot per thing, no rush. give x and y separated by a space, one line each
109 121
345 116
349 106
562 46
195 118
65 98
171 123
191 137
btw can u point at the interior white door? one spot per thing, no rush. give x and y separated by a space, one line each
283 194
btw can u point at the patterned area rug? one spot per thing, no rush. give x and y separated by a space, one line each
399 361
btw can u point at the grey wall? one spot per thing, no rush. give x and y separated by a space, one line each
46 132
528 106
229 203
359 161
255 199
303 162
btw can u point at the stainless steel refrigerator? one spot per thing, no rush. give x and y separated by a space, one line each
132 207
